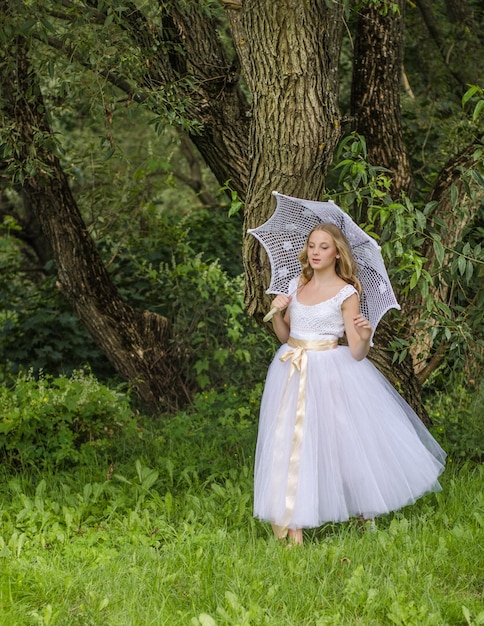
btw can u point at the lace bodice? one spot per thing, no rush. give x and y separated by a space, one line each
318 321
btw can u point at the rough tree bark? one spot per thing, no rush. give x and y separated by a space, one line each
137 343
375 96
295 121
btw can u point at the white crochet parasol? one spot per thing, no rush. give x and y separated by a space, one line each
284 235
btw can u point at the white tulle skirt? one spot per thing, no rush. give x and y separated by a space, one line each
363 452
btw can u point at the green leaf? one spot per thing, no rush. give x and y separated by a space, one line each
467 614
438 249
454 195
444 308
430 206
477 110
26 26
478 178
220 491
47 24
469 93
108 154
421 219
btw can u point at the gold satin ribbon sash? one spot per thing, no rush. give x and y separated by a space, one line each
299 361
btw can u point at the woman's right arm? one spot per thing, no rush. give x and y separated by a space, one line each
281 323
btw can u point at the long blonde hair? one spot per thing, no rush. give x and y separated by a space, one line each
345 267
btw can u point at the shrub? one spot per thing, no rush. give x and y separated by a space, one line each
218 341
217 432
61 421
43 334
457 421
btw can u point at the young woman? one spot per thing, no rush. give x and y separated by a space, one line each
335 438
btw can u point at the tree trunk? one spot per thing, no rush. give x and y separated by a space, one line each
452 220
401 375
377 70
136 342
289 54
295 121
296 124
375 96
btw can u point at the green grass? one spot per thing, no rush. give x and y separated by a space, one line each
147 548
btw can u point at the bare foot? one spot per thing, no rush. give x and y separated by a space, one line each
295 536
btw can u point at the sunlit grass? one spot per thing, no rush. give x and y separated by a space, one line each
146 549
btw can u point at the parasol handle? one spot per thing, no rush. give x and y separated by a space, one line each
269 315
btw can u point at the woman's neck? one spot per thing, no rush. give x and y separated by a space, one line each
325 276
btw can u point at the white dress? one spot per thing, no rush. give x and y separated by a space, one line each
358 449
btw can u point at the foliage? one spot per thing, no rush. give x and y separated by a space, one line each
456 416
163 272
153 522
218 341
221 342
123 163
224 243
216 431
475 95
402 228
11 285
39 331
57 422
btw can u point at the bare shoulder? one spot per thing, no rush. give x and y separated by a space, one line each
351 303
335 287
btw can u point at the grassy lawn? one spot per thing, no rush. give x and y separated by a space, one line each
145 548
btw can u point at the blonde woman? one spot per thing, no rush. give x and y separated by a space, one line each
335 439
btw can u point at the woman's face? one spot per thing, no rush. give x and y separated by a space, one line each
322 252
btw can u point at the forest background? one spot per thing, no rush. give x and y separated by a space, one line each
139 141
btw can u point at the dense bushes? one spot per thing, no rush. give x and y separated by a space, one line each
216 433
219 342
60 422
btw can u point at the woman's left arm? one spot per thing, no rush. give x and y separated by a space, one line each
357 328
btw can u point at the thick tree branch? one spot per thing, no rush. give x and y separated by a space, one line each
191 58
452 224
